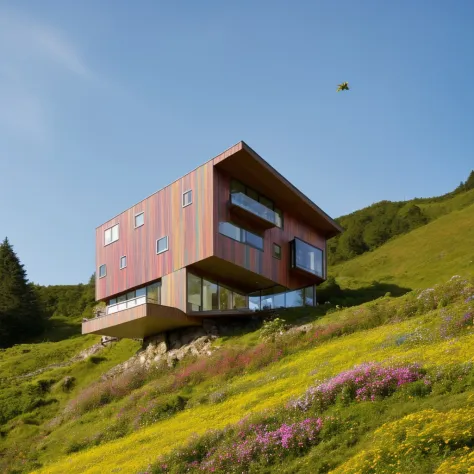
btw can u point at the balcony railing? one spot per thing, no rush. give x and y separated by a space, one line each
139 300
256 208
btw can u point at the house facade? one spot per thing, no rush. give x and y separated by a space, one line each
231 237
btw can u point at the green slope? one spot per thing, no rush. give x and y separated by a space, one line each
408 330
369 228
424 256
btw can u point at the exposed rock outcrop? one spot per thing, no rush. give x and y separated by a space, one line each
175 345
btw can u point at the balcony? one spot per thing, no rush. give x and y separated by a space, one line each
137 318
248 208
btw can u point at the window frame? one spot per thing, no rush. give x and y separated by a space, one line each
190 191
244 233
273 251
247 190
304 269
135 226
120 264
167 245
105 267
111 234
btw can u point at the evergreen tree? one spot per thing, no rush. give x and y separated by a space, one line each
20 312
469 184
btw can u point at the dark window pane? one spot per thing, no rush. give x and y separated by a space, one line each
276 251
237 187
309 296
307 257
266 202
153 293
252 194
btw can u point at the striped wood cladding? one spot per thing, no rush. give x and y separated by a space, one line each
193 231
255 260
189 232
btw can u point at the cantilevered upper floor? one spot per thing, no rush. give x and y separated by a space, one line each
233 221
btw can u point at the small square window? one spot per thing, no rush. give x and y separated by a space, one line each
187 198
139 219
111 234
102 271
123 262
162 245
277 251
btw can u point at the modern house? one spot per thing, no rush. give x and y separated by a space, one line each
231 237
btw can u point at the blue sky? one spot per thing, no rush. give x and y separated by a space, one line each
104 102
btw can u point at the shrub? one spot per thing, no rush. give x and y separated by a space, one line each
103 393
272 328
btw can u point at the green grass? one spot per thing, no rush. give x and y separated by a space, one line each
120 436
426 255
255 392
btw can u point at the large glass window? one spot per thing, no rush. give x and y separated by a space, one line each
194 292
111 234
239 300
209 296
294 299
279 300
102 271
309 296
162 245
254 301
306 257
241 235
153 293
225 298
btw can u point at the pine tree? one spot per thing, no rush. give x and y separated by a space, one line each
469 184
20 312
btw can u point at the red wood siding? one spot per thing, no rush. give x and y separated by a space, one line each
189 232
255 260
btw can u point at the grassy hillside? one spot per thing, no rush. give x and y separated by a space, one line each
427 335
351 393
423 257
369 228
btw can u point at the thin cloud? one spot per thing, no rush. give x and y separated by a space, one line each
34 57
28 39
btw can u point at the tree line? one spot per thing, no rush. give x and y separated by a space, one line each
369 228
26 308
